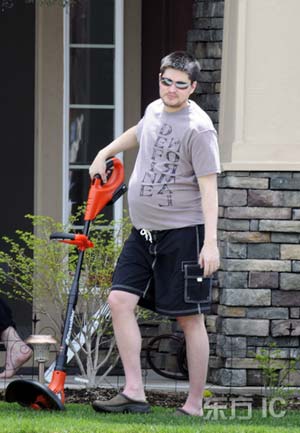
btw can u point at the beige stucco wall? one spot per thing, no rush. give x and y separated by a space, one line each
260 90
49 111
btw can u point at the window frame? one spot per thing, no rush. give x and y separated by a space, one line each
118 105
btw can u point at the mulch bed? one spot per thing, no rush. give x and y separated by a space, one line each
165 399
155 398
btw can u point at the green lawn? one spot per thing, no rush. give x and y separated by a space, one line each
79 418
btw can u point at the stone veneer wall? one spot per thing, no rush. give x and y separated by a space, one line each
258 299
205 41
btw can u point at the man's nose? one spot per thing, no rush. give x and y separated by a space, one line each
173 86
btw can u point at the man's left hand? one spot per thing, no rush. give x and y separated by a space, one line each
209 258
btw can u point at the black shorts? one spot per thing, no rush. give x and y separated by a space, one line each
161 267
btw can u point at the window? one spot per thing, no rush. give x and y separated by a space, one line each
93 92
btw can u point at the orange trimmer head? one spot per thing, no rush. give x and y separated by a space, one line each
34 394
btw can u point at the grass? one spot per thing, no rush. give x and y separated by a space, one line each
80 418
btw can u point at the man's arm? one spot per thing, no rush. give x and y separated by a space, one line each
125 141
209 257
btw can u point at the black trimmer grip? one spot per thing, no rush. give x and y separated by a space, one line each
62 236
119 192
109 163
109 170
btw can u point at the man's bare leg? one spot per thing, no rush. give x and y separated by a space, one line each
129 342
17 352
197 350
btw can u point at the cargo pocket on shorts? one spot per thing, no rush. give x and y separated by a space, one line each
197 289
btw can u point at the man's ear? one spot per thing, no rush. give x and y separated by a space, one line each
193 87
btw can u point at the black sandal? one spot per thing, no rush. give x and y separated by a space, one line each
120 404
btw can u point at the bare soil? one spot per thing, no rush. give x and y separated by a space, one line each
165 399
155 398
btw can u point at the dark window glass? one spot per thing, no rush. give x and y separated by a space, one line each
91 76
92 22
90 130
79 184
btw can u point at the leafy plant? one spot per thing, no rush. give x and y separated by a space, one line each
275 372
41 271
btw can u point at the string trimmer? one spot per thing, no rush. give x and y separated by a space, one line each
37 395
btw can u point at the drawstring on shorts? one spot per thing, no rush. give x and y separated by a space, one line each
147 234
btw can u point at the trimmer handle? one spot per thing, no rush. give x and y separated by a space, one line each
62 236
109 170
81 241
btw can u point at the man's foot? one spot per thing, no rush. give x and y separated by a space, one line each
17 352
182 412
121 403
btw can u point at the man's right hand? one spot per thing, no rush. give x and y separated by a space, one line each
125 141
98 166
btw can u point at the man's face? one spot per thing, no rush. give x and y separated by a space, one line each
175 88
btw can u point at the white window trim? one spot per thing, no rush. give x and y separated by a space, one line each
66 119
119 87
118 102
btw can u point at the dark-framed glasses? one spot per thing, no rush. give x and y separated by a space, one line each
178 84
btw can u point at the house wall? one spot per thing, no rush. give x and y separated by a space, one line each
259 281
259 112
256 294
205 41
49 111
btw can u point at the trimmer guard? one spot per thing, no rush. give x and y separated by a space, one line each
32 394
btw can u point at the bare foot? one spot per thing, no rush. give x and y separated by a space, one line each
192 412
17 352
193 409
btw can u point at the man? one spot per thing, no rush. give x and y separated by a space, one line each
173 206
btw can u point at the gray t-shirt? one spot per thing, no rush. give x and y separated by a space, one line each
175 148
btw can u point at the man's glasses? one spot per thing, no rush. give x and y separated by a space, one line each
178 84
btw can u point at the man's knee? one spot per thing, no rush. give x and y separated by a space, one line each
190 322
118 300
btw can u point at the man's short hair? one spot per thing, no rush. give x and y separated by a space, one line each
182 61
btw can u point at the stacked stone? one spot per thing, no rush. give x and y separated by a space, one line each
259 298
205 41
